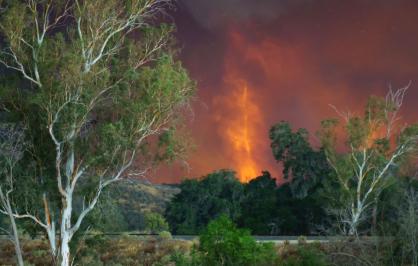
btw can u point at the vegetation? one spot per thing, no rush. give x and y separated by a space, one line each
201 201
91 99
93 94
376 149
224 244
261 207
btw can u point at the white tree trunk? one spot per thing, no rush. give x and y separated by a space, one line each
52 239
65 248
66 232
16 240
355 219
5 202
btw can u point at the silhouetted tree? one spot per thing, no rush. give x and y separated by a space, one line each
302 165
201 201
300 202
259 206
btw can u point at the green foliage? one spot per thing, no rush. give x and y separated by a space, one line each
193 258
92 90
406 236
224 244
107 216
201 201
155 223
259 205
305 255
376 149
301 163
165 235
300 201
297 216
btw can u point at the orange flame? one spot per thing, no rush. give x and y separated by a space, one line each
241 131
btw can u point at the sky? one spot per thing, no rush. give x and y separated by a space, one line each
257 63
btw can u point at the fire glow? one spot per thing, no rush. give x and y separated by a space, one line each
241 133
293 67
241 123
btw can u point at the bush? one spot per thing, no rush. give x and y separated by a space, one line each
165 235
193 258
155 223
304 255
222 243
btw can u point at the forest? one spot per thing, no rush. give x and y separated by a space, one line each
94 96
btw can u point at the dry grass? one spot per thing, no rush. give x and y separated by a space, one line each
133 250
122 251
35 252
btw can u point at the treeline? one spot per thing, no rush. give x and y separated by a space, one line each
361 179
261 205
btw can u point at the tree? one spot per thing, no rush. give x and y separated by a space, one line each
408 223
201 201
376 148
95 81
259 205
300 201
11 148
300 216
301 163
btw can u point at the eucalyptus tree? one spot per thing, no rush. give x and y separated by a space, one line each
12 146
96 83
376 146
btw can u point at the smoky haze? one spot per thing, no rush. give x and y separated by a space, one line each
261 62
218 13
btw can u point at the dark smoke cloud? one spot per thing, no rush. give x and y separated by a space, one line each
215 13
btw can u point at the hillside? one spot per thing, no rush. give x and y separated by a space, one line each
124 205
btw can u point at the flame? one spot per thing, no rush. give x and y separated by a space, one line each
241 132
241 122
293 70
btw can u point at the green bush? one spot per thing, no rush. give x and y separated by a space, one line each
305 255
222 243
194 258
165 235
155 223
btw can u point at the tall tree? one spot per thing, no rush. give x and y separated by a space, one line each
300 201
95 81
375 148
304 166
12 146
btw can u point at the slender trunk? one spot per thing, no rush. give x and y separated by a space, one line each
355 218
16 240
374 216
52 239
50 229
5 201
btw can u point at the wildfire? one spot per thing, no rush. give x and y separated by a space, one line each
241 132
241 123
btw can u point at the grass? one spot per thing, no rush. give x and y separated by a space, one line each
125 250
159 251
